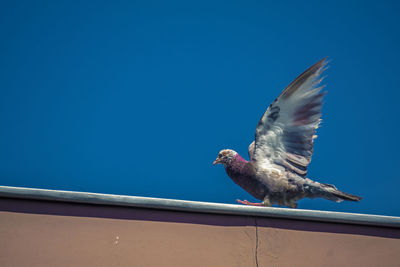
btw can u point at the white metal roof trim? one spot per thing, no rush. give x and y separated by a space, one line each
195 206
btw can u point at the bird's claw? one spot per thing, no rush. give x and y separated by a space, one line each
245 202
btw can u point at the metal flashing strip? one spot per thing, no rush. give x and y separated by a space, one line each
195 206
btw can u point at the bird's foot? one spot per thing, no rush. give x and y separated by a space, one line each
245 202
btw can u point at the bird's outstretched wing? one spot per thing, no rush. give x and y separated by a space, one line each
284 135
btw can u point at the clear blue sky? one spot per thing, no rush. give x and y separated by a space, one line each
138 97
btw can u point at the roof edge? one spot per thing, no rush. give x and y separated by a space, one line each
195 206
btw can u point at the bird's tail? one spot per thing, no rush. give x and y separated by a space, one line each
329 192
332 193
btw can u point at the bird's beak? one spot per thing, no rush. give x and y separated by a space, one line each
216 161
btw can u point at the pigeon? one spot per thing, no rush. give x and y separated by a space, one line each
281 152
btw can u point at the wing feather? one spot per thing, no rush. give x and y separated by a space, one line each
285 133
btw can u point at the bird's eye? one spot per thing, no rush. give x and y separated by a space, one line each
220 155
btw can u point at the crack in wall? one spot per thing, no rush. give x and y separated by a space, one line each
256 252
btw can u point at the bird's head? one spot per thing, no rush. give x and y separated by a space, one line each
225 156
